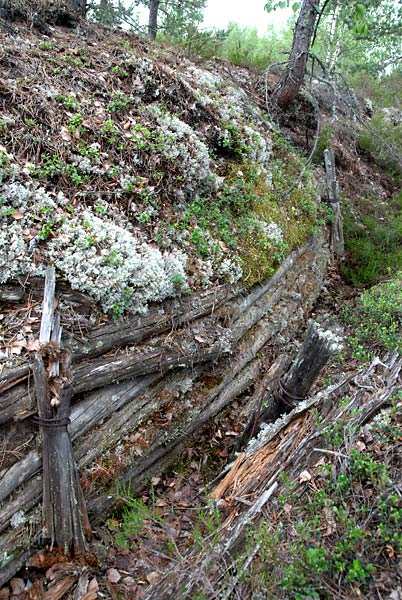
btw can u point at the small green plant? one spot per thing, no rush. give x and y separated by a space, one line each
75 123
71 171
46 231
50 167
134 516
110 131
119 103
206 529
45 46
70 103
120 72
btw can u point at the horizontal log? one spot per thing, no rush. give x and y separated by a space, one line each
160 319
84 416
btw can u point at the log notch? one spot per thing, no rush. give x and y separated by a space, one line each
336 240
64 510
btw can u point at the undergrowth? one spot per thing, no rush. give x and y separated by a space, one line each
373 240
345 531
376 320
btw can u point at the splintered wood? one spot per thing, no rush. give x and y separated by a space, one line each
248 474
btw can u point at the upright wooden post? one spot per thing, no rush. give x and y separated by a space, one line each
337 241
319 345
64 509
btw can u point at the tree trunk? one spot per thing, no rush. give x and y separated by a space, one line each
80 6
153 18
290 86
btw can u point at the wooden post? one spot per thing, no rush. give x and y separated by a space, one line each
337 241
64 509
319 345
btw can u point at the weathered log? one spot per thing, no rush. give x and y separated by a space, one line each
11 293
63 505
336 240
319 345
160 319
84 417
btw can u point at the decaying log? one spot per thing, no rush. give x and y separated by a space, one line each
159 320
320 343
63 504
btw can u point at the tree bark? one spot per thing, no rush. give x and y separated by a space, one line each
153 18
289 87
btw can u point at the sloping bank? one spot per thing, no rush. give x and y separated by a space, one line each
158 189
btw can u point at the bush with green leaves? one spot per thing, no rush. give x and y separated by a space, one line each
377 319
347 531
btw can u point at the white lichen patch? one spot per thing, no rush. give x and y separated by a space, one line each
182 145
334 339
112 263
18 519
122 272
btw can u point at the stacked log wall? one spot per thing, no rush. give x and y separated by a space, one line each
157 358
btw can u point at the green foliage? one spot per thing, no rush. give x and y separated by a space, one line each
351 518
372 240
243 46
383 139
119 103
179 22
45 46
133 519
377 319
206 530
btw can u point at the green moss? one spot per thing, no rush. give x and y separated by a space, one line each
254 218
